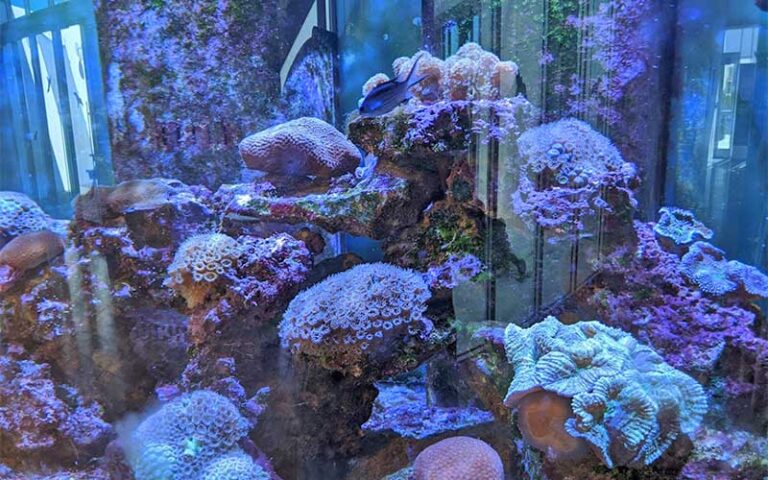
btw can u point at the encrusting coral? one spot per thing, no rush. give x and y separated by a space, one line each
357 317
680 226
458 458
583 169
195 437
305 146
627 403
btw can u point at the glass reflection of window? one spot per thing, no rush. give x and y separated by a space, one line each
51 77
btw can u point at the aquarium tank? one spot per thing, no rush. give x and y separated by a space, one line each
384 239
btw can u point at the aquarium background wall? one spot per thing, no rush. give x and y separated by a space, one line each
547 260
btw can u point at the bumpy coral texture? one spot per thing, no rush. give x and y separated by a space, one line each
580 164
205 257
627 402
470 74
188 438
680 226
706 265
357 312
305 146
19 214
234 466
458 458
374 82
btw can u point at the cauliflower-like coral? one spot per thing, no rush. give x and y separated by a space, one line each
470 74
19 214
680 226
581 165
201 260
187 437
234 466
305 146
374 82
458 458
357 316
706 266
628 404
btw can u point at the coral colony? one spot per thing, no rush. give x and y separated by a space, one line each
168 332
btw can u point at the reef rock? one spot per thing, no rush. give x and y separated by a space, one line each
373 208
458 458
301 147
42 421
627 403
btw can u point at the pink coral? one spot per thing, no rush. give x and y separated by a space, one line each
458 458
305 146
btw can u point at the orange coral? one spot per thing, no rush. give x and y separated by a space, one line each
541 418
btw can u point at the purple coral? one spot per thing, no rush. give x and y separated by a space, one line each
453 272
648 294
680 226
40 417
580 164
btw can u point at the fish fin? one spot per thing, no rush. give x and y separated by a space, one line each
413 69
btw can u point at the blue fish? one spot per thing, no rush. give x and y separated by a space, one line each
385 97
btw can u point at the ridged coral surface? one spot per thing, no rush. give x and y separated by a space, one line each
20 214
234 466
627 402
458 458
361 312
187 437
305 146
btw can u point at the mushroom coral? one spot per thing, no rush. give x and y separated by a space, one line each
458 458
680 226
26 252
627 403
706 266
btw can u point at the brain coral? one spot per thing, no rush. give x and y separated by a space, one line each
627 403
581 162
680 226
187 437
357 316
20 214
706 266
305 146
458 458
